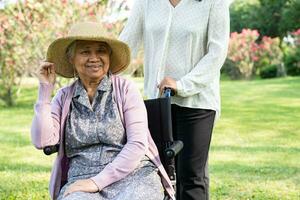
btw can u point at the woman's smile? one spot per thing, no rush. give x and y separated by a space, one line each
94 65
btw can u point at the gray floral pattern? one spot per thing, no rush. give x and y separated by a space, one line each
94 135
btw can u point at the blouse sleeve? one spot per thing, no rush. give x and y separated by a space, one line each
208 68
45 126
132 34
136 126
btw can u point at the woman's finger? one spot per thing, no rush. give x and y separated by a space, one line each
161 88
46 67
84 185
52 69
45 64
74 187
70 190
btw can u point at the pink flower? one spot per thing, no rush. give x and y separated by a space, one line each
91 13
255 58
296 33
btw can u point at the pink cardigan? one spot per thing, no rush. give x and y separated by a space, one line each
48 129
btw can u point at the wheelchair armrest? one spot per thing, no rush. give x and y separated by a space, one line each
174 149
48 150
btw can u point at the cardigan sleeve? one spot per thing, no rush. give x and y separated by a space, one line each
132 34
208 68
136 127
45 126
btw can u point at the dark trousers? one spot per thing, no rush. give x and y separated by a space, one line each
194 128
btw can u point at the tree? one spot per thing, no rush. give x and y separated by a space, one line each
269 17
243 14
273 18
290 20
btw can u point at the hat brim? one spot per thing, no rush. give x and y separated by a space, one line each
119 59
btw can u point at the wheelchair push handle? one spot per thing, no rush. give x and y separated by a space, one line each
174 149
168 92
48 150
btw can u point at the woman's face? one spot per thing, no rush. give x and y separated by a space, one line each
91 60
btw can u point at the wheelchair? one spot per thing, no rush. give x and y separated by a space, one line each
160 126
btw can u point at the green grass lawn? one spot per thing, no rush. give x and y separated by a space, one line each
255 150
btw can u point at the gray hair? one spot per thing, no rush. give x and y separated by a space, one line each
70 52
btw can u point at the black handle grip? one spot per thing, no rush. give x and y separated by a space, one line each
48 150
168 92
174 149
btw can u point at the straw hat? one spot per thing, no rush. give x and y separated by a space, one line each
91 31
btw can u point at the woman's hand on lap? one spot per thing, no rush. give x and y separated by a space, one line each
84 185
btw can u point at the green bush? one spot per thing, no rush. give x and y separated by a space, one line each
268 71
292 63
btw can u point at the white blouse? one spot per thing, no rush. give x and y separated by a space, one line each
188 43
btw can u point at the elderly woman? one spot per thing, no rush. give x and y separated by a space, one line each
100 122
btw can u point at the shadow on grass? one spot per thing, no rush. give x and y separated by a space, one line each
19 107
235 191
14 139
256 149
280 81
259 172
23 167
26 100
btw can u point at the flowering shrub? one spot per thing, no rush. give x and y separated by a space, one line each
246 55
269 51
270 57
243 51
27 27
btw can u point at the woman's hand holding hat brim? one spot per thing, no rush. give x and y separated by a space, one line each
46 73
